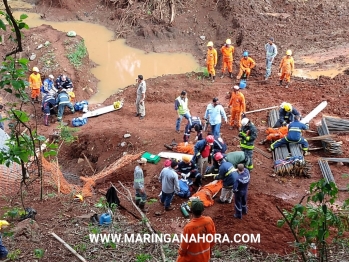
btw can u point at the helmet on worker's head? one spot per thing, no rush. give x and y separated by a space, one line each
288 107
35 69
245 54
288 52
186 159
228 42
218 156
244 121
210 44
236 87
210 139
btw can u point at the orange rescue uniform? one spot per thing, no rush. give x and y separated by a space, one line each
286 67
211 60
199 251
245 66
238 106
227 52
35 84
274 134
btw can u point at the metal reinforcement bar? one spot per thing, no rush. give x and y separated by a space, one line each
326 171
262 152
300 168
332 159
273 117
329 144
337 124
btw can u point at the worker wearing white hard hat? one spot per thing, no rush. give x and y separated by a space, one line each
48 86
248 135
211 60
238 107
35 84
286 68
227 51
3 250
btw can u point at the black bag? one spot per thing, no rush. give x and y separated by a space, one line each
112 196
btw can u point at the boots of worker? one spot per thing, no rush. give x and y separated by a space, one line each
46 122
222 76
138 201
306 153
231 75
280 82
213 78
287 85
142 207
209 76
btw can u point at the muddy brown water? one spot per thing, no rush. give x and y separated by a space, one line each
118 64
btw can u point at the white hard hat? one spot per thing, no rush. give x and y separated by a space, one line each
244 121
236 87
289 52
35 69
51 76
228 42
210 43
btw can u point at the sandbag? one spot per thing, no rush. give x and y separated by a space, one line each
184 191
79 121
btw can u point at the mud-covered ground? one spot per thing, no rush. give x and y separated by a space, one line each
306 27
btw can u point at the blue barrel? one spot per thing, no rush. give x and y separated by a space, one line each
105 219
243 83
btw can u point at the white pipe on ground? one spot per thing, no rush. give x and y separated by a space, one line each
314 112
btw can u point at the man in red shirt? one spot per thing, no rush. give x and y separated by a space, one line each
201 249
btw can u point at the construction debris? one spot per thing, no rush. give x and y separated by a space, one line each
336 124
328 143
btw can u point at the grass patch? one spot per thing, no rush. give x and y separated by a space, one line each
77 53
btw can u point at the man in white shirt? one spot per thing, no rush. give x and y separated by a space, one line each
214 113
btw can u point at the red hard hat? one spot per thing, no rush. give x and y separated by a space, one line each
210 139
218 156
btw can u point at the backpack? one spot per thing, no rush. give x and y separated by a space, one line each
184 191
80 105
79 121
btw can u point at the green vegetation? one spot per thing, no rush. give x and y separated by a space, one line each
77 53
143 257
39 253
14 255
314 222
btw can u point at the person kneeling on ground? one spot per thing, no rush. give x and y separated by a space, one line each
63 101
199 250
187 168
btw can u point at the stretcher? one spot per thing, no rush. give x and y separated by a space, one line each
103 110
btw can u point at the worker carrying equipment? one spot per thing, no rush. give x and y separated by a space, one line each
286 114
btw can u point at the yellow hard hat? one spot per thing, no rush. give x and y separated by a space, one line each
228 42
210 43
35 69
288 52
288 107
80 197
4 223
186 159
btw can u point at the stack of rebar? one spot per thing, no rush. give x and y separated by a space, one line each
326 171
329 144
337 125
297 168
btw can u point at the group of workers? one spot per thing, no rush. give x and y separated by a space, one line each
55 93
246 64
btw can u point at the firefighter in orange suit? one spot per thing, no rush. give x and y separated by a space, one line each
35 84
211 60
199 250
286 68
246 64
227 52
238 107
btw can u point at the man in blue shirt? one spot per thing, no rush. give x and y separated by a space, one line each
294 136
271 52
240 191
213 115
169 184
